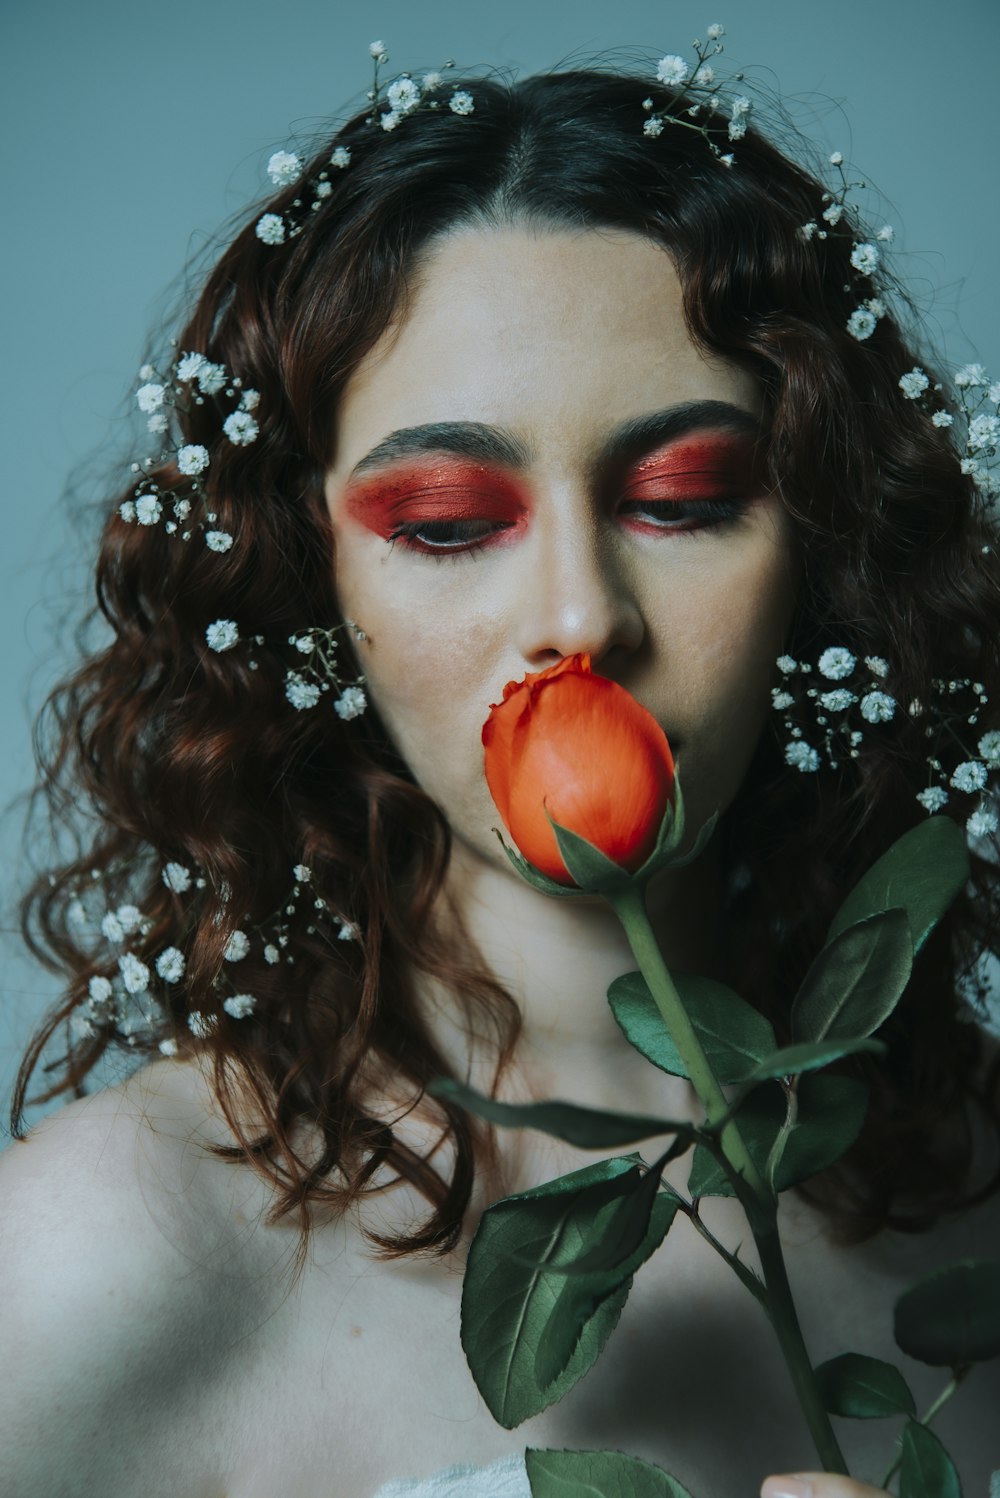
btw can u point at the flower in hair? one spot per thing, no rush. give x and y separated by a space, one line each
170 965
283 168
933 798
239 1005
969 776
989 748
192 459
403 95
237 947
201 1025
378 51
135 974
865 258
301 694
878 707
913 384
149 398
653 126
715 31
350 704
970 374
210 377
223 634
188 367
341 157
271 229
801 756
240 428
738 123
177 878
982 823
672 70
218 540
861 324
147 509
942 419
836 663
461 102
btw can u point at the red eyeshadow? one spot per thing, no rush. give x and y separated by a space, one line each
445 490
698 468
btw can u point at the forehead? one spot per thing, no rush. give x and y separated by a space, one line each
559 335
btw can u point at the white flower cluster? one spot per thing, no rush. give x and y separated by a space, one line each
833 709
866 253
320 672
701 85
192 378
131 1001
979 401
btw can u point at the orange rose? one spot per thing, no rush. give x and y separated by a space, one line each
579 747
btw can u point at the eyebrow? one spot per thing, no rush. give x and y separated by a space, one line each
490 444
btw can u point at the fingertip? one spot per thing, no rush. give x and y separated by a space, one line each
793 1485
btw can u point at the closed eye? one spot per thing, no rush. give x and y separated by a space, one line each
683 516
449 536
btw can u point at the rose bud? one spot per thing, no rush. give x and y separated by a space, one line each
580 748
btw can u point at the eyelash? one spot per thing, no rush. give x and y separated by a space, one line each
711 514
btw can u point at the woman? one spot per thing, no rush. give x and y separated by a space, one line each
502 376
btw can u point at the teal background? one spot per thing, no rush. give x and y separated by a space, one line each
132 131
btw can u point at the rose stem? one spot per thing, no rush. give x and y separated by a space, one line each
758 1199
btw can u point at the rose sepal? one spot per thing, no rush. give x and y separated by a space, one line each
594 873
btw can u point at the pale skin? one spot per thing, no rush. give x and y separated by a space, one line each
553 340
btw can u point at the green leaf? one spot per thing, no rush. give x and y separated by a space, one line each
734 1036
597 1474
863 1388
794 1059
952 1317
508 1297
831 1110
589 1128
856 981
926 1469
923 871
636 1226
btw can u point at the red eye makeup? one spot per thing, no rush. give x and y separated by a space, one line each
472 500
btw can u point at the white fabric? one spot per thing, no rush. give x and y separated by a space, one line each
507 1478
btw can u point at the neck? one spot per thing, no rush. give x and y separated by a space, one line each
557 958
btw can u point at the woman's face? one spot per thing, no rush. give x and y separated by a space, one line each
537 461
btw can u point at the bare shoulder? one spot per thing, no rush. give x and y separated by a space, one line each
128 1272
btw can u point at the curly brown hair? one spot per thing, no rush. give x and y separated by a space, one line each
186 755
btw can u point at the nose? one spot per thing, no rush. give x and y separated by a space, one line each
577 594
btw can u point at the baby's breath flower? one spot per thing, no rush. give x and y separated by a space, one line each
188 366
378 51
970 775
942 419
390 119
350 704
738 123
129 918
876 306
301 693
149 398
431 81
877 707
147 372
239 1005
218 540
787 664
981 823
837 701
461 102
237 947
348 930
324 189
283 168
836 662
304 644
989 748
913 383
672 69
302 873
176 877
240 428
100 990
148 509
250 400
168 1046
653 126
781 700
861 324
993 393
157 424
806 231
111 927
271 953
865 258
182 508
170 964
834 213
800 756
192 459
933 798
201 1025
341 157
714 31
836 158
211 378
222 634
403 95
270 228
135 974
704 75
984 431
877 665
886 234
969 375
